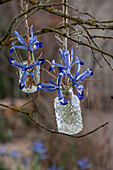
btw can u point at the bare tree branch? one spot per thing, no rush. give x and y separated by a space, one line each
4 1
50 130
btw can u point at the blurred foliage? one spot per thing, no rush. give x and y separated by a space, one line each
35 163
26 121
6 133
2 166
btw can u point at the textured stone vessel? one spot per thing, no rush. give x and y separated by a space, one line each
68 117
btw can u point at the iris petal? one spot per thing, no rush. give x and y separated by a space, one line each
11 50
32 65
84 75
53 62
62 70
32 41
39 86
91 72
32 75
49 90
39 44
76 59
22 83
80 94
16 64
20 47
52 82
77 72
20 39
63 57
70 76
51 67
41 61
59 93
81 63
21 86
67 56
48 86
11 61
31 30
60 75
71 55
38 62
63 101
60 65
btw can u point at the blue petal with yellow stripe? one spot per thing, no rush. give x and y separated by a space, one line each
25 69
53 86
33 42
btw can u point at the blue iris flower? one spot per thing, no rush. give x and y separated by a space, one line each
54 167
25 69
25 161
68 63
3 151
15 154
33 43
38 148
78 79
52 87
84 164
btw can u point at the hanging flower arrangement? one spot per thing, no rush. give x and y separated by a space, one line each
29 70
67 104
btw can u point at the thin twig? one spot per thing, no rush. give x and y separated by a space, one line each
102 36
80 11
4 39
47 29
65 12
93 53
27 32
59 133
4 1
49 73
51 130
26 103
98 48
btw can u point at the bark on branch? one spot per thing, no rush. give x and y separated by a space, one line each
4 1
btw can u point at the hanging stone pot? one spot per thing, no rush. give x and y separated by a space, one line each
68 117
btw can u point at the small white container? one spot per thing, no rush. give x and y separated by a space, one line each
31 82
68 117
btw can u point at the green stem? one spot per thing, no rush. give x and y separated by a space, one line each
67 81
32 55
63 91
